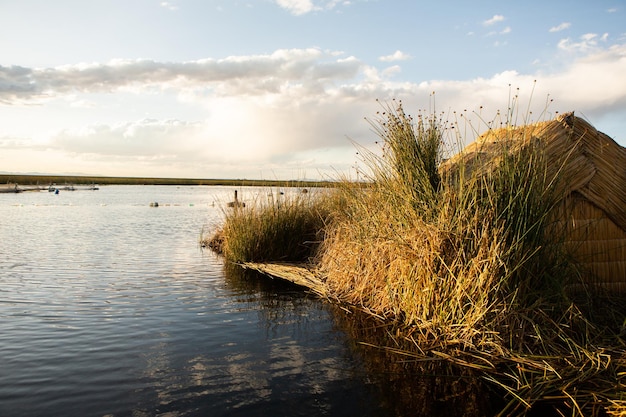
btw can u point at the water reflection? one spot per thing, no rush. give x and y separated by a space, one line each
405 387
274 353
410 387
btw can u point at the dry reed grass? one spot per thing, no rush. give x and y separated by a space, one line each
467 258
469 261
283 228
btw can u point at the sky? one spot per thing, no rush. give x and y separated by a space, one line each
287 89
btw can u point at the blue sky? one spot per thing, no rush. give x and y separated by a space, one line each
279 89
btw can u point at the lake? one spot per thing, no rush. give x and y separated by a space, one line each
109 307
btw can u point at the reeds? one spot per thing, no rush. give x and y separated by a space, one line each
432 249
468 259
464 257
283 228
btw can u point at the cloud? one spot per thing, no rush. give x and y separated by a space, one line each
168 5
606 93
297 7
504 31
301 119
570 88
301 7
586 43
495 19
396 56
560 27
15 82
490 22
391 71
247 75
148 138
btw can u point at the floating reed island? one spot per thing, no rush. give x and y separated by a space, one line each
508 258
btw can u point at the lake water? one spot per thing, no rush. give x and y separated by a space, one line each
109 307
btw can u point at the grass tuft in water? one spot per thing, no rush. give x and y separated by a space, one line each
284 228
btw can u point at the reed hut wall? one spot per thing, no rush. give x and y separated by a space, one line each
591 170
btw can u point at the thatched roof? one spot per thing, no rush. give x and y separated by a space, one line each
592 167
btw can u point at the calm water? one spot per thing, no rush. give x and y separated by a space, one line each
108 307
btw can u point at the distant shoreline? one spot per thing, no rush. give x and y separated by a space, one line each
45 180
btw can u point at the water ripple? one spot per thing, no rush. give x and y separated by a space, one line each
109 307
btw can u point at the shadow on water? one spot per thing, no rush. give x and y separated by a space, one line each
435 388
271 293
399 384
296 367
280 302
411 387
404 387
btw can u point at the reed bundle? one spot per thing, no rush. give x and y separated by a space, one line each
295 273
589 166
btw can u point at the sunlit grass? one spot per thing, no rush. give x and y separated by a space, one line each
463 256
284 227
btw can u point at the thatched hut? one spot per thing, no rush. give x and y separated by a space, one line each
591 169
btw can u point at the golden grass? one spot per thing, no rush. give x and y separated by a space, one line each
466 258
283 228
472 266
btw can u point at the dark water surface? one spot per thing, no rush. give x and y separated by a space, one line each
108 307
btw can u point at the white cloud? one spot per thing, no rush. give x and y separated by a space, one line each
168 5
396 56
391 71
297 7
607 90
301 7
586 43
85 104
146 138
560 27
490 22
495 19
247 75
571 88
